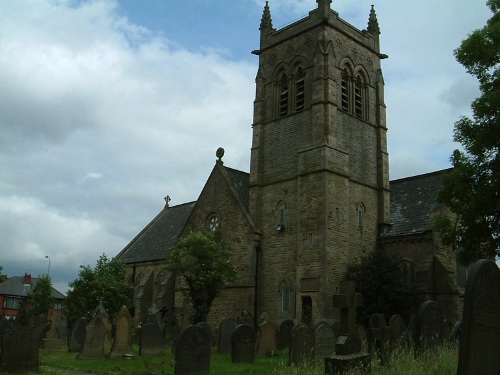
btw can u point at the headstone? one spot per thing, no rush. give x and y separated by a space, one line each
348 353
363 337
226 327
302 345
267 340
20 346
192 352
336 327
379 335
171 328
208 329
123 334
52 340
4 326
400 338
243 342
285 335
42 327
97 338
479 351
151 340
77 337
62 328
454 338
324 341
430 329
245 318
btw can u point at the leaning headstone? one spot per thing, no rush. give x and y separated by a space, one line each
348 354
20 346
479 351
267 340
97 338
324 341
302 345
430 329
192 352
226 327
208 329
399 339
285 335
151 340
243 344
454 338
77 337
123 334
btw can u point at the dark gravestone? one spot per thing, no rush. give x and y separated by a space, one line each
208 330
324 341
4 326
151 340
20 346
192 351
302 345
97 338
363 337
379 335
243 342
479 351
77 337
267 340
454 338
285 335
52 340
62 329
430 328
226 327
348 353
123 334
400 338
171 328
336 327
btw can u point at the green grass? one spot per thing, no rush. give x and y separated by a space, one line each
442 362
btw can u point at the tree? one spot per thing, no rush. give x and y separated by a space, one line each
41 298
2 276
472 190
203 262
106 281
379 279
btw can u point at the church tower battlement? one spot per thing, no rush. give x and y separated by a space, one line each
319 174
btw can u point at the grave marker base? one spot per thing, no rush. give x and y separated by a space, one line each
340 364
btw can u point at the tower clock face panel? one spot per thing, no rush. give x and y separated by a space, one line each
214 223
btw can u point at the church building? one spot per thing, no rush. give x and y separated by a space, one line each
318 195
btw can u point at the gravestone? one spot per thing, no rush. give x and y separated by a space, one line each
123 334
379 335
171 328
454 338
20 346
430 328
363 337
348 353
4 326
479 351
324 341
400 338
267 340
302 345
97 338
243 342
62 328
151 340
245 318
52 340
226 327
285 335
208 330
42 327
77 337
336 327
192 351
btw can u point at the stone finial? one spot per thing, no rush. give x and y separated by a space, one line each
373 27
219 153
324 8
266 23
167 201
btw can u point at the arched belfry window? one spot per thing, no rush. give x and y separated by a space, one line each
283 95
360 97
281 217
360 211
353 93
344 87
299 89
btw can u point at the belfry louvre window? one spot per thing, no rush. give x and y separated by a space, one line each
299 90
353 94
358 99
283 108
345 90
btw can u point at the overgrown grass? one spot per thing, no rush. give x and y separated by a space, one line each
441 362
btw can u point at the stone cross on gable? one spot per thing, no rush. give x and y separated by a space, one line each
347 301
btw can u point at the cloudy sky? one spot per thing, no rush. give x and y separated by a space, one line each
108 106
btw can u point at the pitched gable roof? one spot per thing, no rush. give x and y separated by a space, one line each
158 236
413 200
14 286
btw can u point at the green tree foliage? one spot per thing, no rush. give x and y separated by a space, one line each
472 189
203 261
379 279
106 281
41 298
2 276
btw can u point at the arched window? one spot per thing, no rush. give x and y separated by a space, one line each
285 298
213 222
299 89
360 213
358 97
344 87
281 217
283 95
161 284
353 93
408 274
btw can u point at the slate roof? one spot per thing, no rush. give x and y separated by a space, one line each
158 236
14 286
413 200
241 182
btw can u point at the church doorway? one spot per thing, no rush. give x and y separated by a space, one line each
307 309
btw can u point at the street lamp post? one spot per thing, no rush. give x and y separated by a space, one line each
48 270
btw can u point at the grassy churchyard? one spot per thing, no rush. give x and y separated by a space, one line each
443 361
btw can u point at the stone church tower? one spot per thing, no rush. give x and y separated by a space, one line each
319 173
